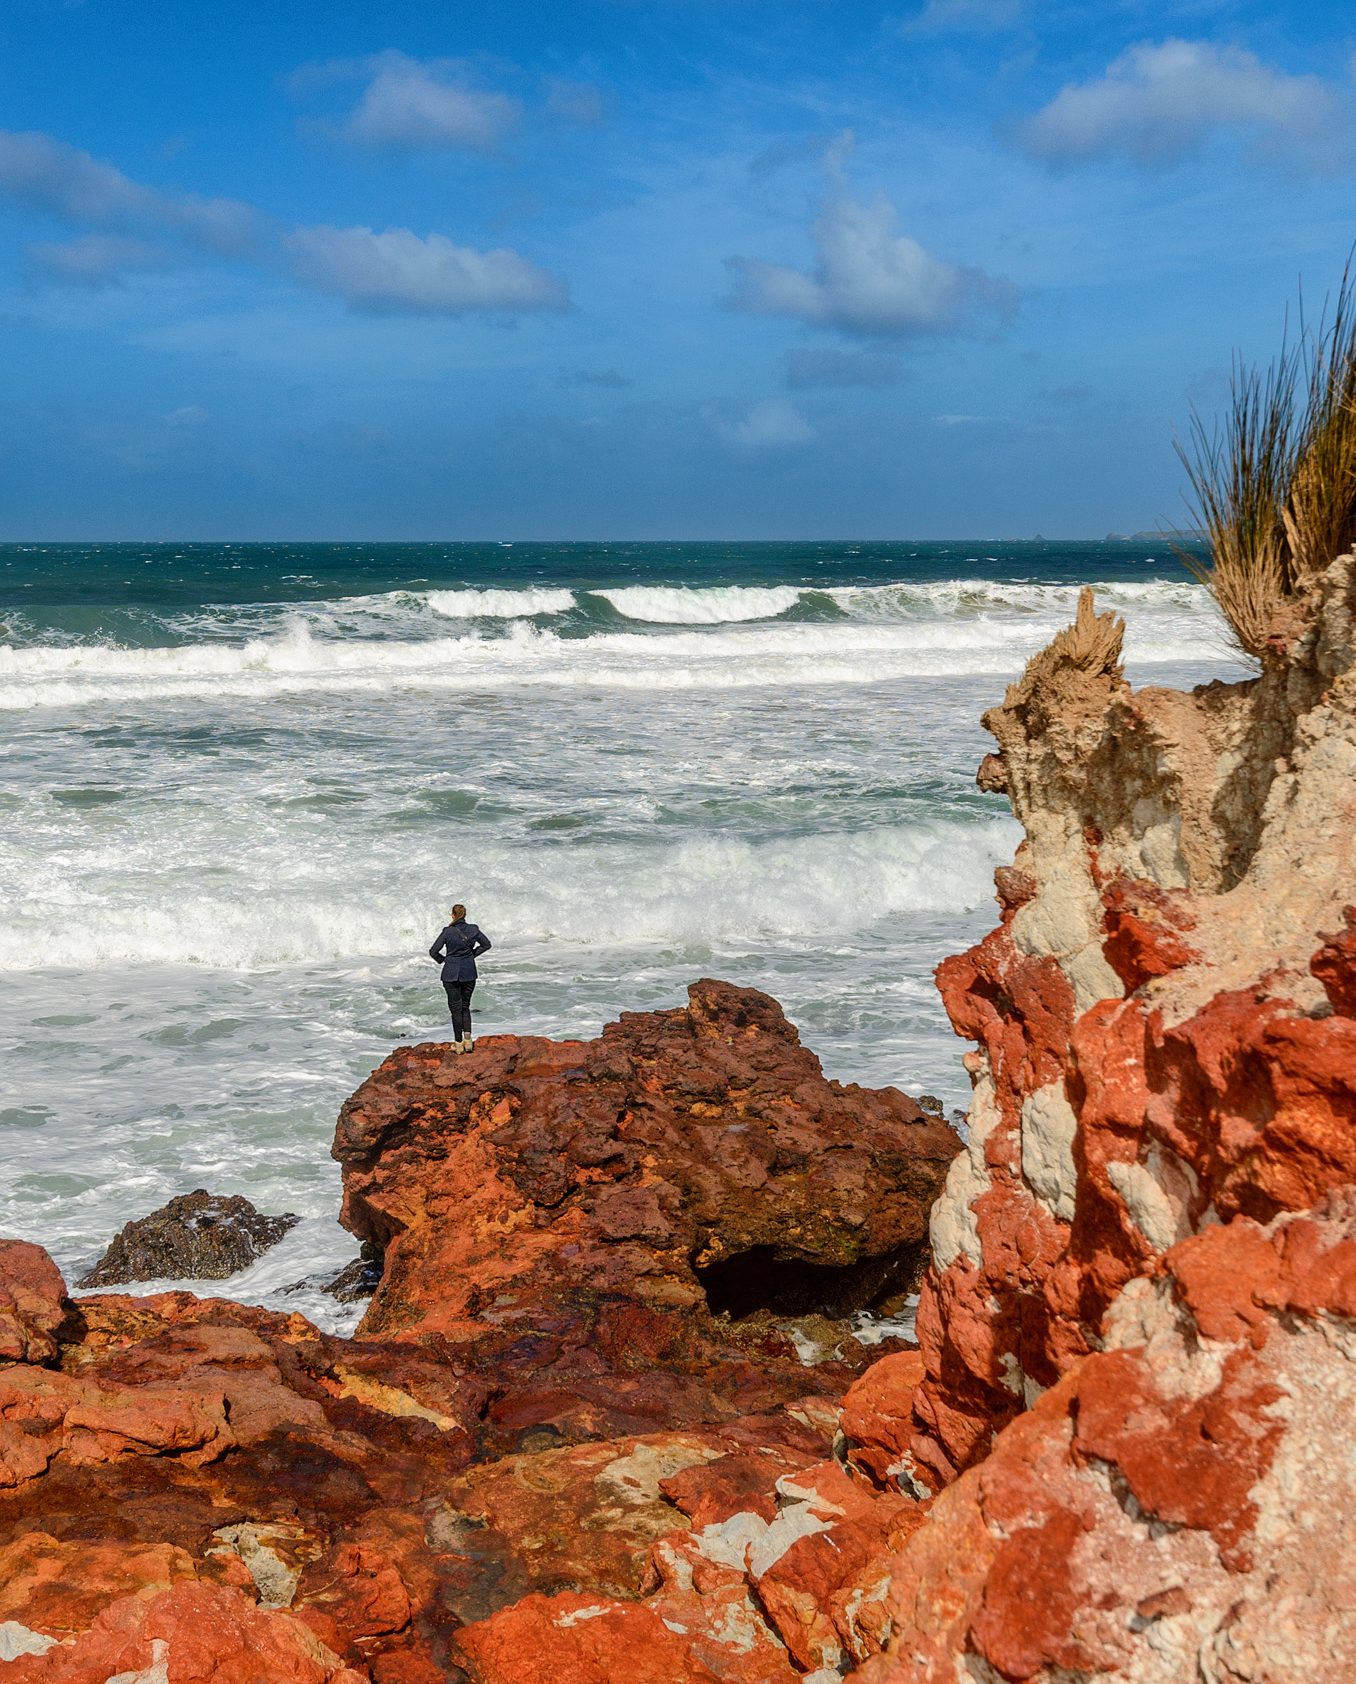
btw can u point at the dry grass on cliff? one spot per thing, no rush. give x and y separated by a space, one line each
1093 641
1240 476
1273 486
1319 515
1092 644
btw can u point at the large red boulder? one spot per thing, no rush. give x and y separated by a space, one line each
619 1231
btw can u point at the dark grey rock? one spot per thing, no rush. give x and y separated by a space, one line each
198 1236
357 1280
360 1278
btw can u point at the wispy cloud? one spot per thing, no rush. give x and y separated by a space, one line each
51 176
96 260
768 424
964 17
416 104
867 277
385 272
399 270
1160 102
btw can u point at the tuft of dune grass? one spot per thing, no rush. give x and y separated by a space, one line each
1319 514
1092 644
1093 641
1273 484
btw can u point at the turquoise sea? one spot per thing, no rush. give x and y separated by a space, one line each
241 784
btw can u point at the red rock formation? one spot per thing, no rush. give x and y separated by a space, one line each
1182 1504
32 1303
1160 1014
541 1400
584 1206
192 1634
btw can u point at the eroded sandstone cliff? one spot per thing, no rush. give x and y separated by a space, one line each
1162 1041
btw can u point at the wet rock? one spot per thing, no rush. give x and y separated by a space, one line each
682 1193
198 1236
359 1279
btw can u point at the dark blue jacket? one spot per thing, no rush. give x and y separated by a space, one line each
456 949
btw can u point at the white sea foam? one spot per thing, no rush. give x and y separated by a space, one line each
685 605
724 657
523 604
971 597
322 904
1025 610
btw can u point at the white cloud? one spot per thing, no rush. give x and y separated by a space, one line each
96 260
399 270
392 271
869 279
769 424
422 104
1157 103
964 17
66 182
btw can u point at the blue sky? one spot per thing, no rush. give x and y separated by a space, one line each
645 268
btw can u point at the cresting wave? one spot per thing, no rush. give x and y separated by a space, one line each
498 604
583 611
715 605
686 605
856 650
765 890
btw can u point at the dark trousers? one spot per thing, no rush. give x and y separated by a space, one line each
459 1004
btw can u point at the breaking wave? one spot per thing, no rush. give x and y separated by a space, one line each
499 604
855 647
685 605
750 890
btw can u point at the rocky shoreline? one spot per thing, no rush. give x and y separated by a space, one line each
605 1417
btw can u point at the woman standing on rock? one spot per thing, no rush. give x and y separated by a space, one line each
455 950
